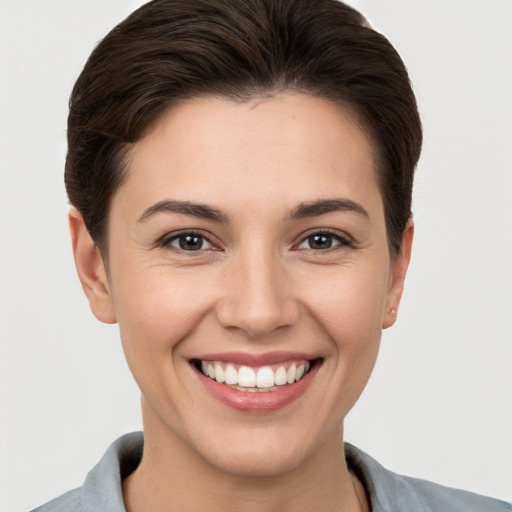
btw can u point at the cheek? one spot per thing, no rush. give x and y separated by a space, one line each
349 304
157 309
350 310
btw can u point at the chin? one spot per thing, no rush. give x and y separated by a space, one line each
258 453
258 461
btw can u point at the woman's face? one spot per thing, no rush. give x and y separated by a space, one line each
249 242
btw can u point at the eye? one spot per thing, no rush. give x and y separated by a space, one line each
323 240
189 242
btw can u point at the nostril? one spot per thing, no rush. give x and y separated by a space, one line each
255 322
258 300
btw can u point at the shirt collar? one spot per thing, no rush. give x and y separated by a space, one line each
102 489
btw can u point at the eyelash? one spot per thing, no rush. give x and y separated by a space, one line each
342 241
167 241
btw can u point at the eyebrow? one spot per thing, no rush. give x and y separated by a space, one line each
204 211
323 206
199 210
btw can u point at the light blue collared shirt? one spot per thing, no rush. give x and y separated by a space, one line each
386 491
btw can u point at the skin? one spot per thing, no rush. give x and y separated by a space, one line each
256 286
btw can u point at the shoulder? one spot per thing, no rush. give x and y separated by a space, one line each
68 502
436 497
102 488
389 492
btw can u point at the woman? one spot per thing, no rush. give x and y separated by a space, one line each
241 177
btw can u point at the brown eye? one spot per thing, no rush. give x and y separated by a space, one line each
320 242
189 242
323 241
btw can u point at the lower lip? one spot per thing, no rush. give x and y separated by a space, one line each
258 402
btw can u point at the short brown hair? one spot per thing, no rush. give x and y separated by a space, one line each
169 50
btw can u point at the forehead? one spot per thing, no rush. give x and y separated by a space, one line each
285 148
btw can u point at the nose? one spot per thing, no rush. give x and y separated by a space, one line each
258 296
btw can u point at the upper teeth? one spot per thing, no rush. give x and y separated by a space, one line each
264 377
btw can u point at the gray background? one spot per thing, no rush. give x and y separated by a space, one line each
439 403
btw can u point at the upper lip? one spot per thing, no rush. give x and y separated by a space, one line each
246 359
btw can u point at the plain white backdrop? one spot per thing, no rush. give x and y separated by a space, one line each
439 405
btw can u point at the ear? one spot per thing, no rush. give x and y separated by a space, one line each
397 278
91 269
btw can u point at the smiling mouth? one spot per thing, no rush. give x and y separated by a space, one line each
255 379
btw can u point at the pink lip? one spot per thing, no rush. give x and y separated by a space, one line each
258 402
256 360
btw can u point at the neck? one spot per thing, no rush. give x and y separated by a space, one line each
173 477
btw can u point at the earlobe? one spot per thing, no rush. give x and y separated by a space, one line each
397 278
91 269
